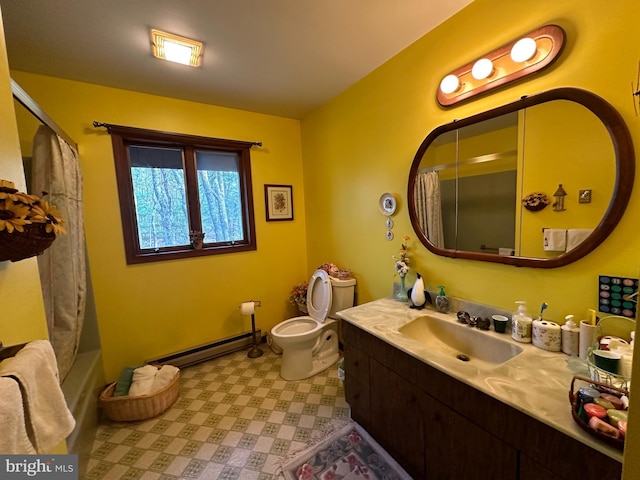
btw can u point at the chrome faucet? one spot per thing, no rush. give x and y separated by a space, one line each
473 321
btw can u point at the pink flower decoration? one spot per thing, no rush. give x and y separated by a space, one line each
354 438
305 472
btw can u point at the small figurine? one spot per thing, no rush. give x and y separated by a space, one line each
483 323
463 317
418 295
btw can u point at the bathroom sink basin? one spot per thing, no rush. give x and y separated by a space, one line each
461 341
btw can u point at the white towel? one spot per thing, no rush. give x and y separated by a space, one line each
165 376
555 239
575 236
47 417
14 438
143 378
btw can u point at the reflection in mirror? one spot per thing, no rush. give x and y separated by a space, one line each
475 167
579 155
468 180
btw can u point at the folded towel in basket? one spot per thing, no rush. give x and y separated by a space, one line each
164 377
14 439
124 382
47 417
143 378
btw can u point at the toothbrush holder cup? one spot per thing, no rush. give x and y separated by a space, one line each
500 323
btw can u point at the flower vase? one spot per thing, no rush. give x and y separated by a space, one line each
302 307
402 293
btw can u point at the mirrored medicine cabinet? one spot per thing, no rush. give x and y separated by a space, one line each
468 179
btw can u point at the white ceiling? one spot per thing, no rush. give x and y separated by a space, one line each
280 57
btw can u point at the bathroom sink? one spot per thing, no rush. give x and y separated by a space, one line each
461 341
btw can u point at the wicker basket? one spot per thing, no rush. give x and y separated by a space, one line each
17 245
575 405
139 407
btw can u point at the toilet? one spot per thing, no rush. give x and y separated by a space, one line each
310 343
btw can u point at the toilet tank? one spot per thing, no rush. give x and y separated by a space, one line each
342 295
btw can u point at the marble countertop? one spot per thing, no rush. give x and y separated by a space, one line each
536 382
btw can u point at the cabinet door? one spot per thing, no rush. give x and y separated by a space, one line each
530 470
356 385
397 419
356 394
456 448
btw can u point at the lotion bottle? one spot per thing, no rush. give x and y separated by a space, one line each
442 302
570 336
521 324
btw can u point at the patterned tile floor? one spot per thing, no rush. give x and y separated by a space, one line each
235 419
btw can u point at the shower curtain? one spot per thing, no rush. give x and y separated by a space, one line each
63 266
427 195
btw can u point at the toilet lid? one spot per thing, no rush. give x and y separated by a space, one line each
319 296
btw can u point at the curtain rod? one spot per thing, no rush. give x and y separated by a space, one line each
109 126
490 157
28 103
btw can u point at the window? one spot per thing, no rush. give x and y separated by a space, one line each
181 195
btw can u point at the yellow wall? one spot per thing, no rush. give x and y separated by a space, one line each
22 317
22 312
157 308
353 149
362 143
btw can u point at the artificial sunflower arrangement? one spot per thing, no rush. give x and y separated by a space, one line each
28 223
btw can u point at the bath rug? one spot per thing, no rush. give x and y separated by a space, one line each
349 453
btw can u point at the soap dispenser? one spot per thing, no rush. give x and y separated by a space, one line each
442 302
521 324
570 336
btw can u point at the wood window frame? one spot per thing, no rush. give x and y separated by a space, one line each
122 137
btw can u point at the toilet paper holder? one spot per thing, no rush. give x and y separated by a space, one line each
255 351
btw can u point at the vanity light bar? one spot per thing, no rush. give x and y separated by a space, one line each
521 57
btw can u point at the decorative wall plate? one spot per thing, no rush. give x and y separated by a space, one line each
387 204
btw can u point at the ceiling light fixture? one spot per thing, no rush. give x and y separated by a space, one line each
174 48
524 56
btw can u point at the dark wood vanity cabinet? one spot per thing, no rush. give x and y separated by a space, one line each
439 428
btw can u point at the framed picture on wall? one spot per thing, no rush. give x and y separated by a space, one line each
279 202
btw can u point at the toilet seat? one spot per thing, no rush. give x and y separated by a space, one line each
297 328
319 296
318 304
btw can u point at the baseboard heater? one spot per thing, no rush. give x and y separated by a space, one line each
208 351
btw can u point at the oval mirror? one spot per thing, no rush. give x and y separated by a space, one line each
539 182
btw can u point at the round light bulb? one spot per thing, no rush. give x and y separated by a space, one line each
449 84
523 50
482 69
